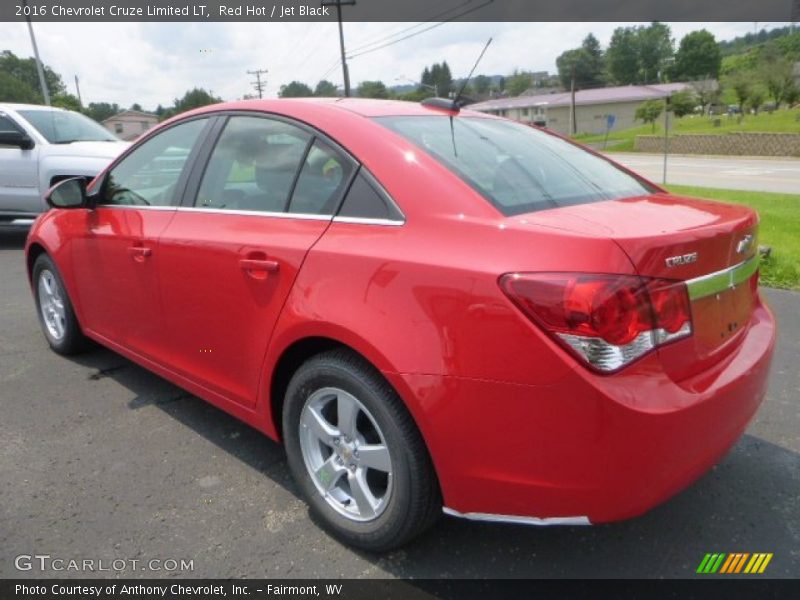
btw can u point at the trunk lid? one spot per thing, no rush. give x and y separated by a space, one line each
683 239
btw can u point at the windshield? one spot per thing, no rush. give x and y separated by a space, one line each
517 168
64 127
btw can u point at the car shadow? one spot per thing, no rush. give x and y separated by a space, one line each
12 239
748 503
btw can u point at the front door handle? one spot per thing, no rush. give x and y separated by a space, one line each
259 268
139 253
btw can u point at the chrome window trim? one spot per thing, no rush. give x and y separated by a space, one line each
368 221
492 518
261 213
719 281
255 213
137 206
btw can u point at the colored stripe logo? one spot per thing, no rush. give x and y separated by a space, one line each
736 562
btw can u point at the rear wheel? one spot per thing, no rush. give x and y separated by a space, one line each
59 324
356 453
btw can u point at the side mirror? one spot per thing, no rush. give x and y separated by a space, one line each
70 193
16 138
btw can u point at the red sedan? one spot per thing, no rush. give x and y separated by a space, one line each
434 310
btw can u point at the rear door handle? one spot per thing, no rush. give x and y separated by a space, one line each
259 268
139 252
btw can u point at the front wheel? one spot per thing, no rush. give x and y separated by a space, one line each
356 453
59 324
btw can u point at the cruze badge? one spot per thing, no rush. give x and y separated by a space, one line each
745 244
682 259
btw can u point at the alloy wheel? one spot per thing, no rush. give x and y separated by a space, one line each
345 454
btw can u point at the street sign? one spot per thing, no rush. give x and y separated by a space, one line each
611 120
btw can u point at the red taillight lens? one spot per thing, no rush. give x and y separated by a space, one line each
608 320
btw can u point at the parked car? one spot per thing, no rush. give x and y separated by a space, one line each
434 310
40 146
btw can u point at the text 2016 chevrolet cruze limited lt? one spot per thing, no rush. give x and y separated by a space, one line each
434 310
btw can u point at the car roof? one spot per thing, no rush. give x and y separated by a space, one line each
365 107
15 106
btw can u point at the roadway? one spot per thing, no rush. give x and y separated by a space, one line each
761 174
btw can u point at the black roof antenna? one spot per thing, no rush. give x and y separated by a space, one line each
454 104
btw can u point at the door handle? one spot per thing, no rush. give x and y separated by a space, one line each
139 253
259 268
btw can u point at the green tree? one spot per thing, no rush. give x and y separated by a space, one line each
100 111
707 91
16 90
682 103
65 100
295 89
372 89
648 111
481 84
756 98
137 107
622 60
741 84
698 57
194 98
776 72
439 77
325 89
24 70
655 47
586 62
518 82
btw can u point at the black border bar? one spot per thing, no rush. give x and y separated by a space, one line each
712 588
277 11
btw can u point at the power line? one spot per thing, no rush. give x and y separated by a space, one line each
430 27
380 39
259 85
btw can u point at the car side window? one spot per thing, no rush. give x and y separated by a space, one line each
322 181
367 200
149 175
253 165
7 124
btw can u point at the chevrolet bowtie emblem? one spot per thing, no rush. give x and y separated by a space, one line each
745 244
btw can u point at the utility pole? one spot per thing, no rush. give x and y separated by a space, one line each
667 107
573 127
78 89
42 81
258 84
345 72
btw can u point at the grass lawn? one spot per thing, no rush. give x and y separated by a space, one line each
784 120
779 228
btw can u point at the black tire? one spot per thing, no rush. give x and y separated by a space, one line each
72 341
415 500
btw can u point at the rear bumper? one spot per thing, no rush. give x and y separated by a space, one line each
588 446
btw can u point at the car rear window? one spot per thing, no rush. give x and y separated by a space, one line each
516 167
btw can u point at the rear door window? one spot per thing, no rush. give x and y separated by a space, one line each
322 181
253 166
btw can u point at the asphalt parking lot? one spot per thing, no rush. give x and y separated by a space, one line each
99 459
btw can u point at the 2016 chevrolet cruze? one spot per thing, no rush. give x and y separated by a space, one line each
433 309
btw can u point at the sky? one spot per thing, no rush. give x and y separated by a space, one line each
154 63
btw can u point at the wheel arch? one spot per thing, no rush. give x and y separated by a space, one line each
301 349
34 251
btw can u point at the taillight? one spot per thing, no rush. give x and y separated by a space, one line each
606 320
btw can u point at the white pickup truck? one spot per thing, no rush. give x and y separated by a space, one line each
41 145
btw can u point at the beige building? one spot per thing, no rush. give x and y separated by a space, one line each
130 124
594 109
